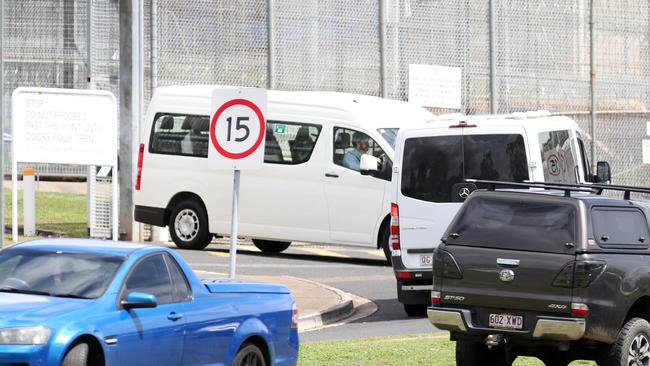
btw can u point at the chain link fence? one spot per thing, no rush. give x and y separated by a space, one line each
542 53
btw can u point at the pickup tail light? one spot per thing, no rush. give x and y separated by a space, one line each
435 297
393 240
579 274
580 309
138 178
445 265
294 316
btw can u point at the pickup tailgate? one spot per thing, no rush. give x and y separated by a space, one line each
509 255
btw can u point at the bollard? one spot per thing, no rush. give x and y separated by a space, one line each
159 234
29 202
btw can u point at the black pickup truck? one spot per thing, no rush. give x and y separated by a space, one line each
560 273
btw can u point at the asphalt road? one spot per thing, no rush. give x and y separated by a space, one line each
362 272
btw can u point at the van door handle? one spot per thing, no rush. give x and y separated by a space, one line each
331 175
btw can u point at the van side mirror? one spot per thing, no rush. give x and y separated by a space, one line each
603 173
368 165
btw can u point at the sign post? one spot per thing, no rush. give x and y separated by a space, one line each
237 134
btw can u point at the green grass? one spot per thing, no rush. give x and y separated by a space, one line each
433 349
59 212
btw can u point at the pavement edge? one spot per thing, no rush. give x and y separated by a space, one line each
334 314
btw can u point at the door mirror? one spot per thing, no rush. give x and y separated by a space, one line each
135 300
603 173
368 165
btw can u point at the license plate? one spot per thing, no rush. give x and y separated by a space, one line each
426 260
506 321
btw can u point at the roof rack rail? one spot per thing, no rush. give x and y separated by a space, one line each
492 185
568 187
601 187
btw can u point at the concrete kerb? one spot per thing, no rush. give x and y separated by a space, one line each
333 314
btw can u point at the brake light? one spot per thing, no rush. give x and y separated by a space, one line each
435 297
294 316
138 178
461 124
445 265
579 274
578 308
402 274
393 240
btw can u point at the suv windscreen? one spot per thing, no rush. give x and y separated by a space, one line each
511 223
432 165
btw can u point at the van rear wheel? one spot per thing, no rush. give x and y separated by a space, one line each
384 236
271 246
188 226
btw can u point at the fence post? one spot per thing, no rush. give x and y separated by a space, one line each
592 89
493 59
2 123
382 49
270 82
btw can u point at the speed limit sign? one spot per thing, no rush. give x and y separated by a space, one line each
237 129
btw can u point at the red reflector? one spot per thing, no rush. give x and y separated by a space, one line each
138 178
404 274
579 309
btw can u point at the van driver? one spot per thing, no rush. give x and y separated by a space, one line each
352 158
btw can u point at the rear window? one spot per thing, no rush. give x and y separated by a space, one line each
432 165
509 223
620 227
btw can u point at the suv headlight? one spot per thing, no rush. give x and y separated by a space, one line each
25 335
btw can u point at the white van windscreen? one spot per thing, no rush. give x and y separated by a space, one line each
432 165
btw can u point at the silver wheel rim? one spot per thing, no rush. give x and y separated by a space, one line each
186 225
639 352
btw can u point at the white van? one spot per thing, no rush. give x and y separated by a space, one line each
303 192
432 163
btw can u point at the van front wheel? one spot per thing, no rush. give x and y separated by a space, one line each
188 226
269 246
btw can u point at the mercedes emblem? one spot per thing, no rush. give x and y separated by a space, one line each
464 192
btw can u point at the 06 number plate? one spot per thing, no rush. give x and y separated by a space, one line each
506 321
426 260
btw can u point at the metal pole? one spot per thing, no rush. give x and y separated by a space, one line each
592 89
233 224
382 48
271 52
493 59
2 123
154 45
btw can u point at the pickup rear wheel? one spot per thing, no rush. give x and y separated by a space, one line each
188 225
249 355
632 346
470 353
271 246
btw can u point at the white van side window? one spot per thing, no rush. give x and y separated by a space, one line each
175 134
558 158
290 142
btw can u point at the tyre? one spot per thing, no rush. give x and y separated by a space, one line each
188 226
249 355
76 356
469 353
415 309
270 246
384 237
632 345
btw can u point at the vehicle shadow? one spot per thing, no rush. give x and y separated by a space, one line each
308 257
387 310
